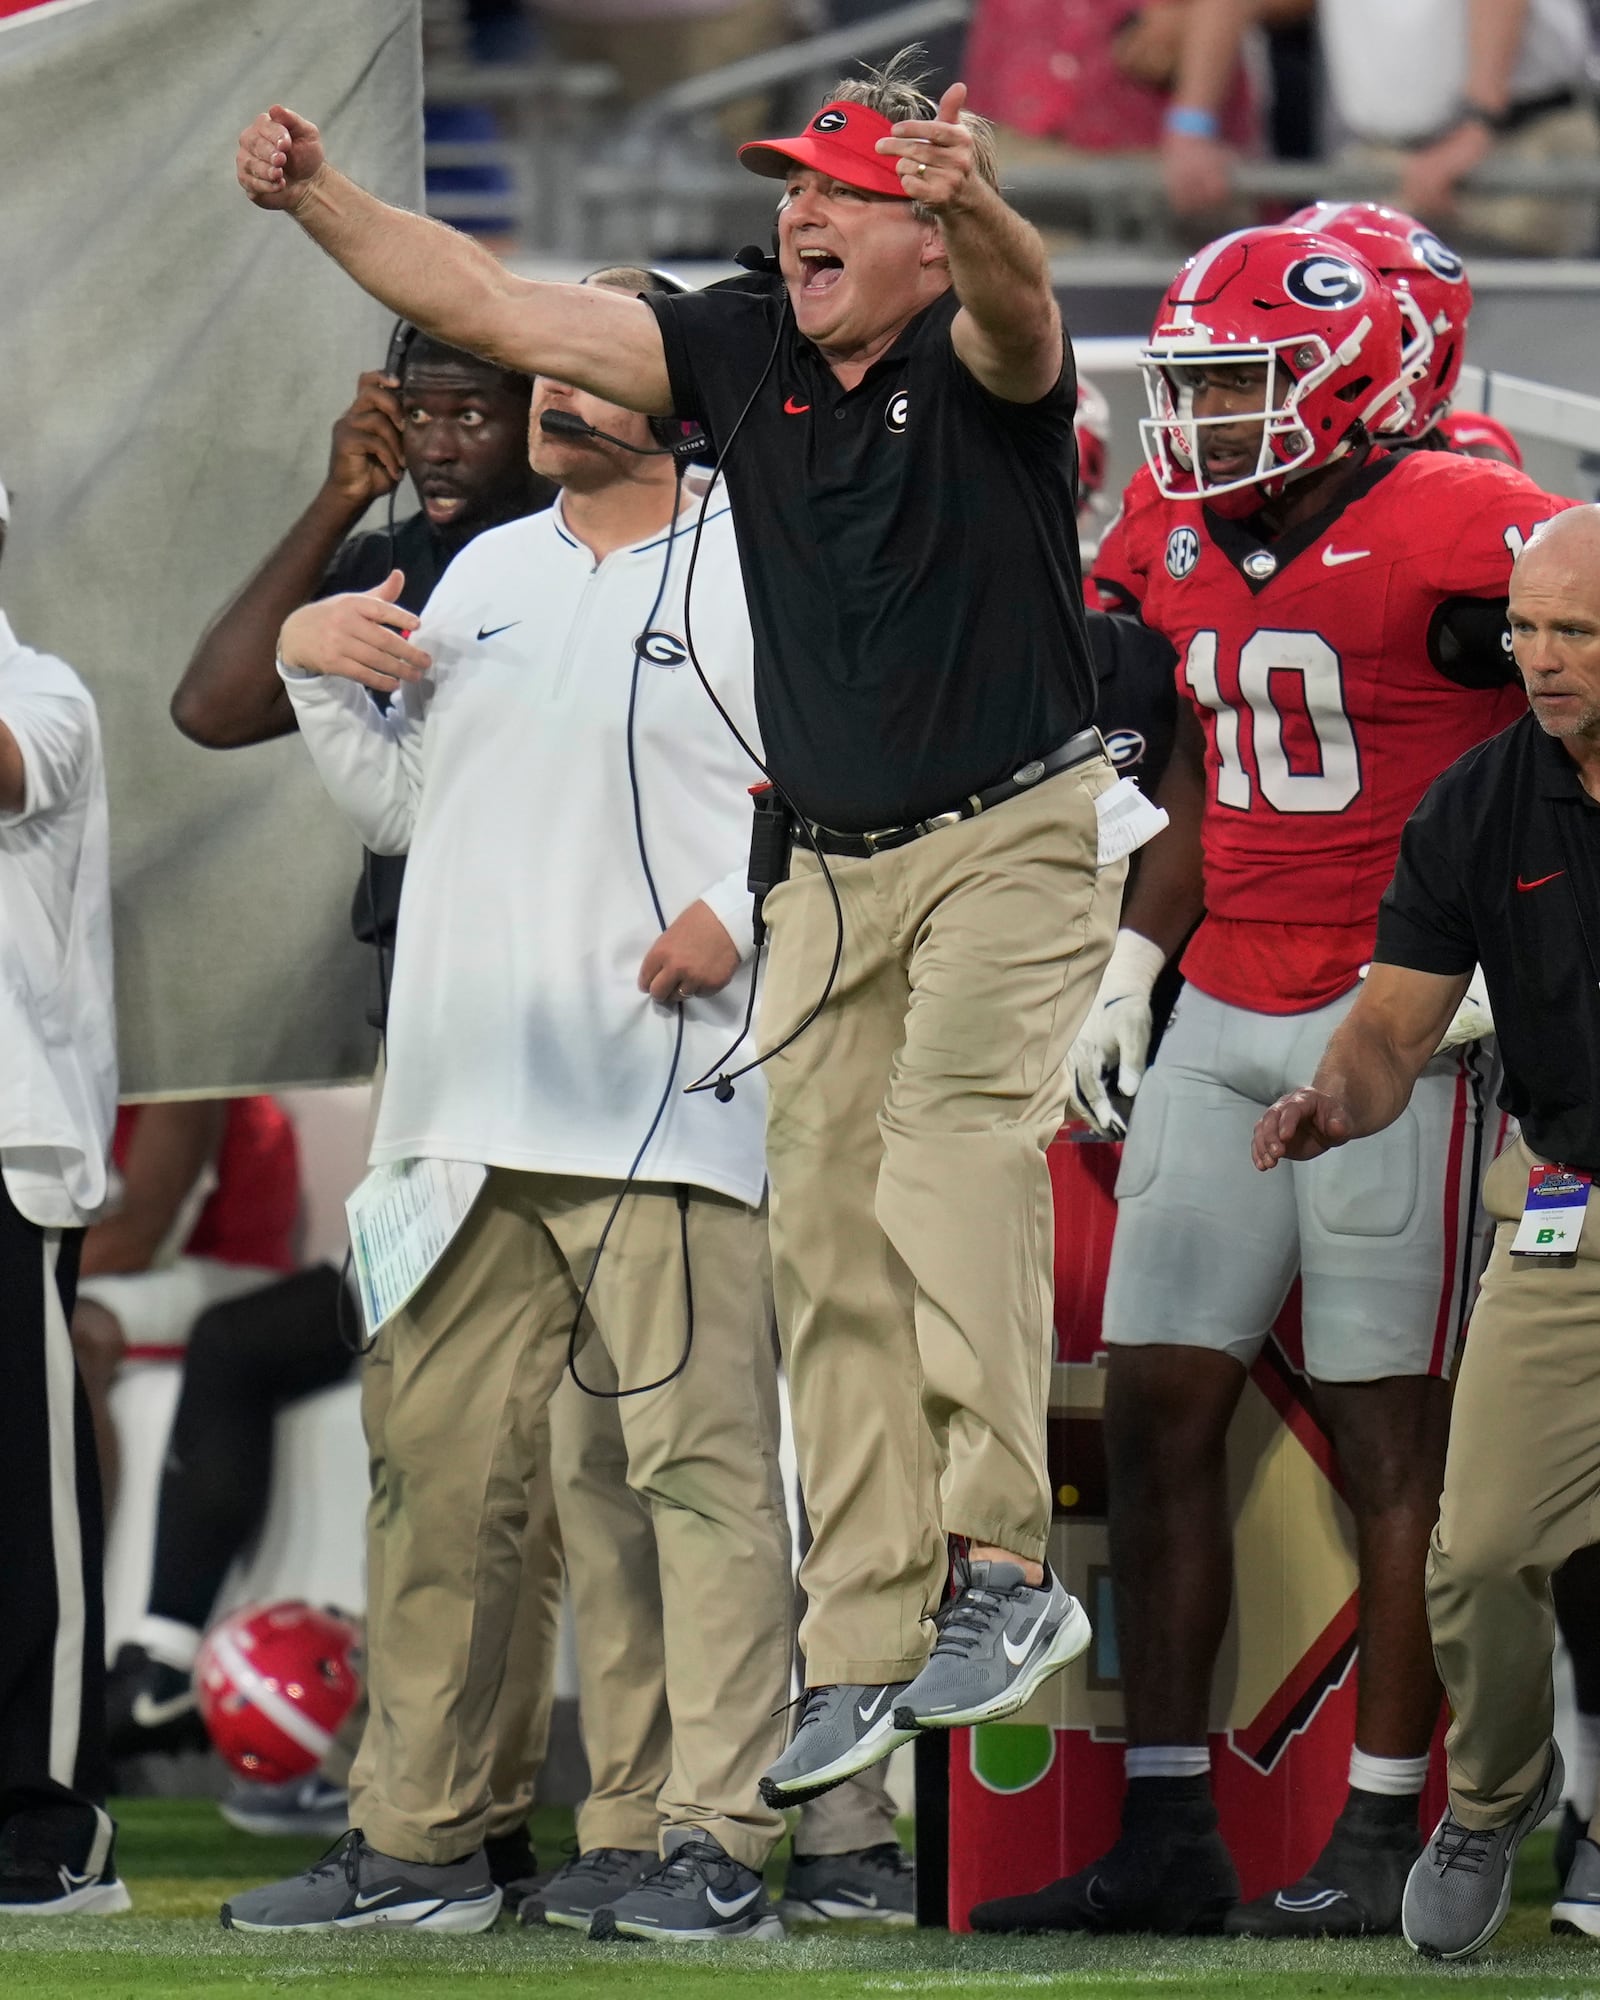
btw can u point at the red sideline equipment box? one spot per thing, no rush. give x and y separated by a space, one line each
1038 1797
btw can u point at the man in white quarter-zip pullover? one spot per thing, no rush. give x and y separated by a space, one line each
564 971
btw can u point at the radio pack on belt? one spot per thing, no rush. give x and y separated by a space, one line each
771 844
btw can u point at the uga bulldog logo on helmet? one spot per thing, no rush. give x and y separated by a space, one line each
1324 281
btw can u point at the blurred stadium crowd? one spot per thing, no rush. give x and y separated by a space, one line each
194 1264
1118 122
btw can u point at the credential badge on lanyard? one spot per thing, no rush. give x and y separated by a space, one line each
1552 1216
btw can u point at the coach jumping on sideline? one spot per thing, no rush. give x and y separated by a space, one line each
1500 866
897 404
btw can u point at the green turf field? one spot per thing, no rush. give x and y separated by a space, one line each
180 1861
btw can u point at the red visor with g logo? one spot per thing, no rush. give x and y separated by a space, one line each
838 142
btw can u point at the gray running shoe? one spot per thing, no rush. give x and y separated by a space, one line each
842 1729
1577 1909
585 1884
354 1887
309 1806
1459 1891
999 1640
872 1885
698 1893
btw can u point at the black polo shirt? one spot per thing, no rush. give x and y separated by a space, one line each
1500 867
910 556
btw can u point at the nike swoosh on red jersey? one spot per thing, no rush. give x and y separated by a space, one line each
793 409
1539 884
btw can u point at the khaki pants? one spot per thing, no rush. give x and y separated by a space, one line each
912 1225
1531 224
617 1620
466 1375
520 1730
1521 1493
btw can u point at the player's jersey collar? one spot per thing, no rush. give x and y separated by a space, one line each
1258 560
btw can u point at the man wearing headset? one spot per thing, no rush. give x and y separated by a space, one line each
574 816
898 405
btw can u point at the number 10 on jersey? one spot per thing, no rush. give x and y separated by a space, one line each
1318 695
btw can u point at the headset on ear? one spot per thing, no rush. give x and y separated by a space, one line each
400 343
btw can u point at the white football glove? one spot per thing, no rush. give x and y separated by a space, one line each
1472 1021
1116 1034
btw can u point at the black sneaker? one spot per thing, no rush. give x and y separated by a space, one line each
585 1884
60 1861
1353 1888
150 1707
699 1893
1169 1872
871 1885
513 1866
354 1887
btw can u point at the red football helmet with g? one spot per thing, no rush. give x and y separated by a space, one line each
1319 322
273 1683
1430 285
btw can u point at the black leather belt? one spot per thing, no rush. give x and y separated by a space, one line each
1076 750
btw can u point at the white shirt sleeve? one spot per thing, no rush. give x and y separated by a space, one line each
370 759
731 903
55 734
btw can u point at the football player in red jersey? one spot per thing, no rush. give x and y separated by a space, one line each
1316 587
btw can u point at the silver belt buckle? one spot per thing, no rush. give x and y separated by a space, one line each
1030 774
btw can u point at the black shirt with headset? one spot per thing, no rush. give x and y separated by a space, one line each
910 556
1500 867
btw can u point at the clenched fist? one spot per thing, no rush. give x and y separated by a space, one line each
280 158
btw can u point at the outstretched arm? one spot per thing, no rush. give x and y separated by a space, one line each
1008 331
1369 1068
442 281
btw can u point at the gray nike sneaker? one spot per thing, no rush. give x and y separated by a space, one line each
1576 1911
999 1640
872 1885
587 1883
842 1729
354 1887
698 1893
1459 1891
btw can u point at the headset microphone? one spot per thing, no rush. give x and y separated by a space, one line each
567 423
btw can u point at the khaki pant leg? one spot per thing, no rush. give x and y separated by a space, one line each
615 1590
1521 1493
857 1814
463 1377
520 1731
1008 925
869 1466
703 1455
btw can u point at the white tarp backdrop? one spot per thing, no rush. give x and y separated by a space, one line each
171 363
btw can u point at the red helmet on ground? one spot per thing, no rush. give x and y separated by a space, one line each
273 1683
1430 285
1321 321
1092 428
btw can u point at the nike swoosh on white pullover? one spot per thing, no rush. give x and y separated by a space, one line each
517 1033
